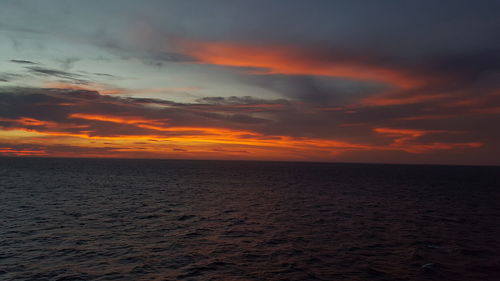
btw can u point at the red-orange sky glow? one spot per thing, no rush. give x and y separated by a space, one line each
301 86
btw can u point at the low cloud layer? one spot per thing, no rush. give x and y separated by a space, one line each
47 121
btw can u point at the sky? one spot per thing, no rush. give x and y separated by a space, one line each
337 81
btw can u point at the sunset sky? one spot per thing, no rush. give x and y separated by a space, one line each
338 81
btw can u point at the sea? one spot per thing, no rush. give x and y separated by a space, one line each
130 219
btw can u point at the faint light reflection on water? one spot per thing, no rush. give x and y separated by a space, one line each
90 219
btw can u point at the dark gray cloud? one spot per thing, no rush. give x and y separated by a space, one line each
7 77
53 72
23 62
67 63
314 89
245 100
78 78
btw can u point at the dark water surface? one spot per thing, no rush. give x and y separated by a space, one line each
90 219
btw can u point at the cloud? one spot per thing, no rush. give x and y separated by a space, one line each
43 71
325 74
212 127
292 60
23 62
315 89
7 77
68 63
406 139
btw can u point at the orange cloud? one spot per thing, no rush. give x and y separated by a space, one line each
116 119
7 151
391 99
219 144
32 122
158 125
203 142
403 133
404 139
293 61
219 135
25 121
427 117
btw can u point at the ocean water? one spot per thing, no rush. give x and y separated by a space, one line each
105 219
